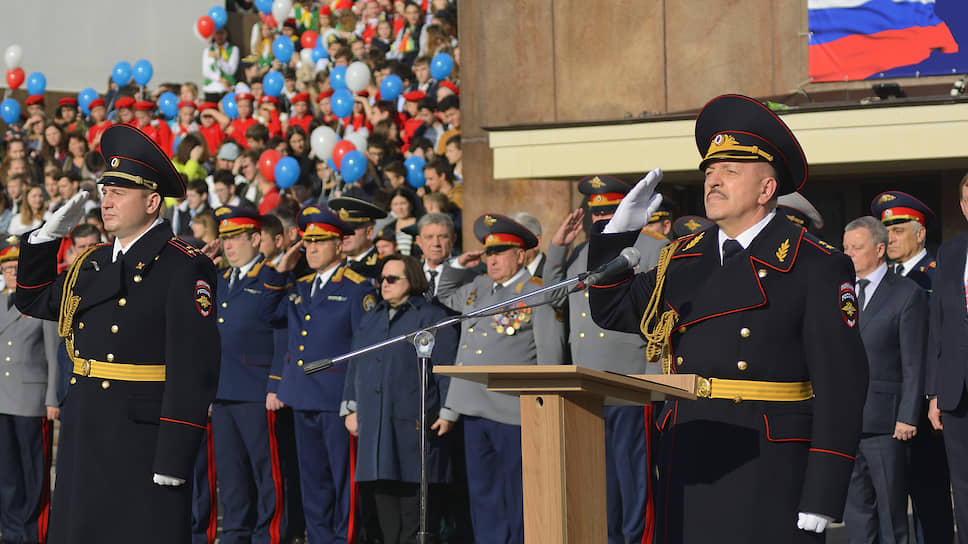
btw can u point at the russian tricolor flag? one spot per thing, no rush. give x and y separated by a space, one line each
855 39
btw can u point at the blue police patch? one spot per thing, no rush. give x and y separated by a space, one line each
848 304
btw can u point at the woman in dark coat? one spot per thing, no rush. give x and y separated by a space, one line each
381 401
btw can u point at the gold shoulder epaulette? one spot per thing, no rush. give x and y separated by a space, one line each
307 277
255 269
653 234
354 277
537 281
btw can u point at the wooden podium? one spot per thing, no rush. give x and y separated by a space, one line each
563 439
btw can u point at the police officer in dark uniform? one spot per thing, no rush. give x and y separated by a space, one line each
660 222
766 316
798 209
358 249
139 319
907 220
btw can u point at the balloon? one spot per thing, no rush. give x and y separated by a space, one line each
282 48
36 83
308 39
340 150
337 78
9 111
143 70
230 106
319 53
205 26
353 166
15 77
121 75
265 6
330 163
415 171
286 172
280 10
357 76
441 66
306 57
168 104
342 103
321 141
84 99
391 87
272 84
13 56
267 164
358 139
218 16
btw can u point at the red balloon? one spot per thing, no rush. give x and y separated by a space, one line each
15 78
206 26
341 148
308 39
267 164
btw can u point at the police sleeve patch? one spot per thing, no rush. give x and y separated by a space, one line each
848 304
369 302
203 298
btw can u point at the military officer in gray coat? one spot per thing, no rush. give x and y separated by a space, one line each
628 429
521 335
28 406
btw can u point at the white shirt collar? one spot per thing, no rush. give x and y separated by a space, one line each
248 266
533 265
746 237
515 278
323 277
907 265
121 250
875 278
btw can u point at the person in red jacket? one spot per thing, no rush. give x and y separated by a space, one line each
99 122
237 127
211 127
269 115
300 116
157 130
124 108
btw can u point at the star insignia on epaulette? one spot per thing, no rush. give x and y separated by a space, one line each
140 265
694 241
826 245
781 253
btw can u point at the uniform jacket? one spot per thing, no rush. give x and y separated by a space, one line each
383 389
923 272
947 356
894 327
154 305
368 265
538 338
28 362
591 345
248 344
782 310
319 327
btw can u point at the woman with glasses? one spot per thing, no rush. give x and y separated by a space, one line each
381 403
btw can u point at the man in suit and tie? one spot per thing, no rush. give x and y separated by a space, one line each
893 326
947 360
435 238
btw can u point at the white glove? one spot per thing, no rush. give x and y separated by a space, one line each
634 210
65 218
816 523
161 479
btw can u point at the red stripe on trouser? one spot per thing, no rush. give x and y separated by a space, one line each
276 522
354 492
212 527
668 469
649 505
46 429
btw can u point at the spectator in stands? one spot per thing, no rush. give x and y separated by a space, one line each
190 155
406 46
16 185
6 213
396 174
99 122
224 182
124 110
76 151
432 128
383 37
455 156
188 92
236 128
196 195
252 186
204 227
211 128
423 148
406 209
220 60
449 109
422 80
32 211
440 179
445 89
68 185
185 121
257 136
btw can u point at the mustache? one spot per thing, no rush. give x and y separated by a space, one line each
716 192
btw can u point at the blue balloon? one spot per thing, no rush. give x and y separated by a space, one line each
272 83
265 6
85 96
121 75
143 70
10 111
168 104
331 164
319 53
353 166
287 172
322 46
337 78
342 103
230 106
441 66
391 87
282 48
219 16
415 171
36 83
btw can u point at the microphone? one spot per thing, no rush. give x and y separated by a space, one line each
316 366
625 261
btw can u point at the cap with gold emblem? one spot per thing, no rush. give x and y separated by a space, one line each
733 127
133 159
896 207
799 210
689 224
355 211
498 233
9 249
317 223
665 210
233 220
604 193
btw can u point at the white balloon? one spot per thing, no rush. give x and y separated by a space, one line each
306 56
322 141
13 56
358 140
357 76
280 10
196 34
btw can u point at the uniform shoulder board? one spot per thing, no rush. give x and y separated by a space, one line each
354 277
933 264
255 269
653 234
818 243
185 247
307 277
689 241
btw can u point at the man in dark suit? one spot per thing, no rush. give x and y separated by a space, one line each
893 326
947 361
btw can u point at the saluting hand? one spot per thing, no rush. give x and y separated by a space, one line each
290 258
470 259
569 229
634 210
212 248
66 218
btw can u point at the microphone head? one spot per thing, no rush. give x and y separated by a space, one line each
632 255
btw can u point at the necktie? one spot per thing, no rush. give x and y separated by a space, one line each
235 277
432 280
730 248
317 287
898 269
862 294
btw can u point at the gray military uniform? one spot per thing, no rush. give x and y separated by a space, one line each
28 362
591 345
518 337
